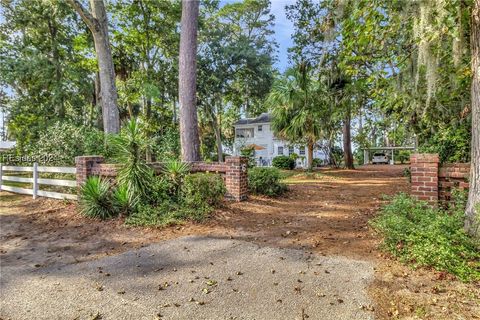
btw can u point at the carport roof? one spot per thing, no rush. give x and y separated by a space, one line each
390 148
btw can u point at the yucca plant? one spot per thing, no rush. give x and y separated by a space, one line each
96 199
128 149
174 171
123 201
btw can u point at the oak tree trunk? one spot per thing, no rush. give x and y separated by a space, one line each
97 22
472 219
347 143
189 140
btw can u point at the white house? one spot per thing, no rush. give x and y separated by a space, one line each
257 133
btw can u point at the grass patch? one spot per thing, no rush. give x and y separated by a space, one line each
422 236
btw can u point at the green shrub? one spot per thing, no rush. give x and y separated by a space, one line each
428 237
283 162
198 194
316 162
265 181
160 191
96 199
202 189
403 156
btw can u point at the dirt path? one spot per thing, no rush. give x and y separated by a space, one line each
325 213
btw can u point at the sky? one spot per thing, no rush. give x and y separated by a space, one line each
283 31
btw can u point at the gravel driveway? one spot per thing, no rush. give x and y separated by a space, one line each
192 278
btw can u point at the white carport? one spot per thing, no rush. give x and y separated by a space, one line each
366 152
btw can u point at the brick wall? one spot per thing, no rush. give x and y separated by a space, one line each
200 166
106 170
452 175
432 181
233 171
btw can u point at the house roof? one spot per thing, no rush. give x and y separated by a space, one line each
263 118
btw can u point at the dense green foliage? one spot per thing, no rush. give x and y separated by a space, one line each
61 142
49 72
200 192
402 68
452 144
283 162
429 237
397 69
265 181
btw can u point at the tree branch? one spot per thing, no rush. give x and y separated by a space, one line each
86 16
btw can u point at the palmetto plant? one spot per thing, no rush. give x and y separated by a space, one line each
96 199
123 201
174 171
128 150
297 108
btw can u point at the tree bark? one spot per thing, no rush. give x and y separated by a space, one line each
97 22
218 139
347 143
310 155
189 140
98 102
472 212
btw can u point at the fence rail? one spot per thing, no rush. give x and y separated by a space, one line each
36 181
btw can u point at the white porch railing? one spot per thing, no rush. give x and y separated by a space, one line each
36 181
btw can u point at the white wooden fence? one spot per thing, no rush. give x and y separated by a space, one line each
36 181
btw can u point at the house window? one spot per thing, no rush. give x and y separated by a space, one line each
302 151
280 150
290 150
244 133
260 128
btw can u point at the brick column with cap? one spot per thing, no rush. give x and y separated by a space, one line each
84 165
424 173
236 178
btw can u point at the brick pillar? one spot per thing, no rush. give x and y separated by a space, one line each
424 173
84 166
236 178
